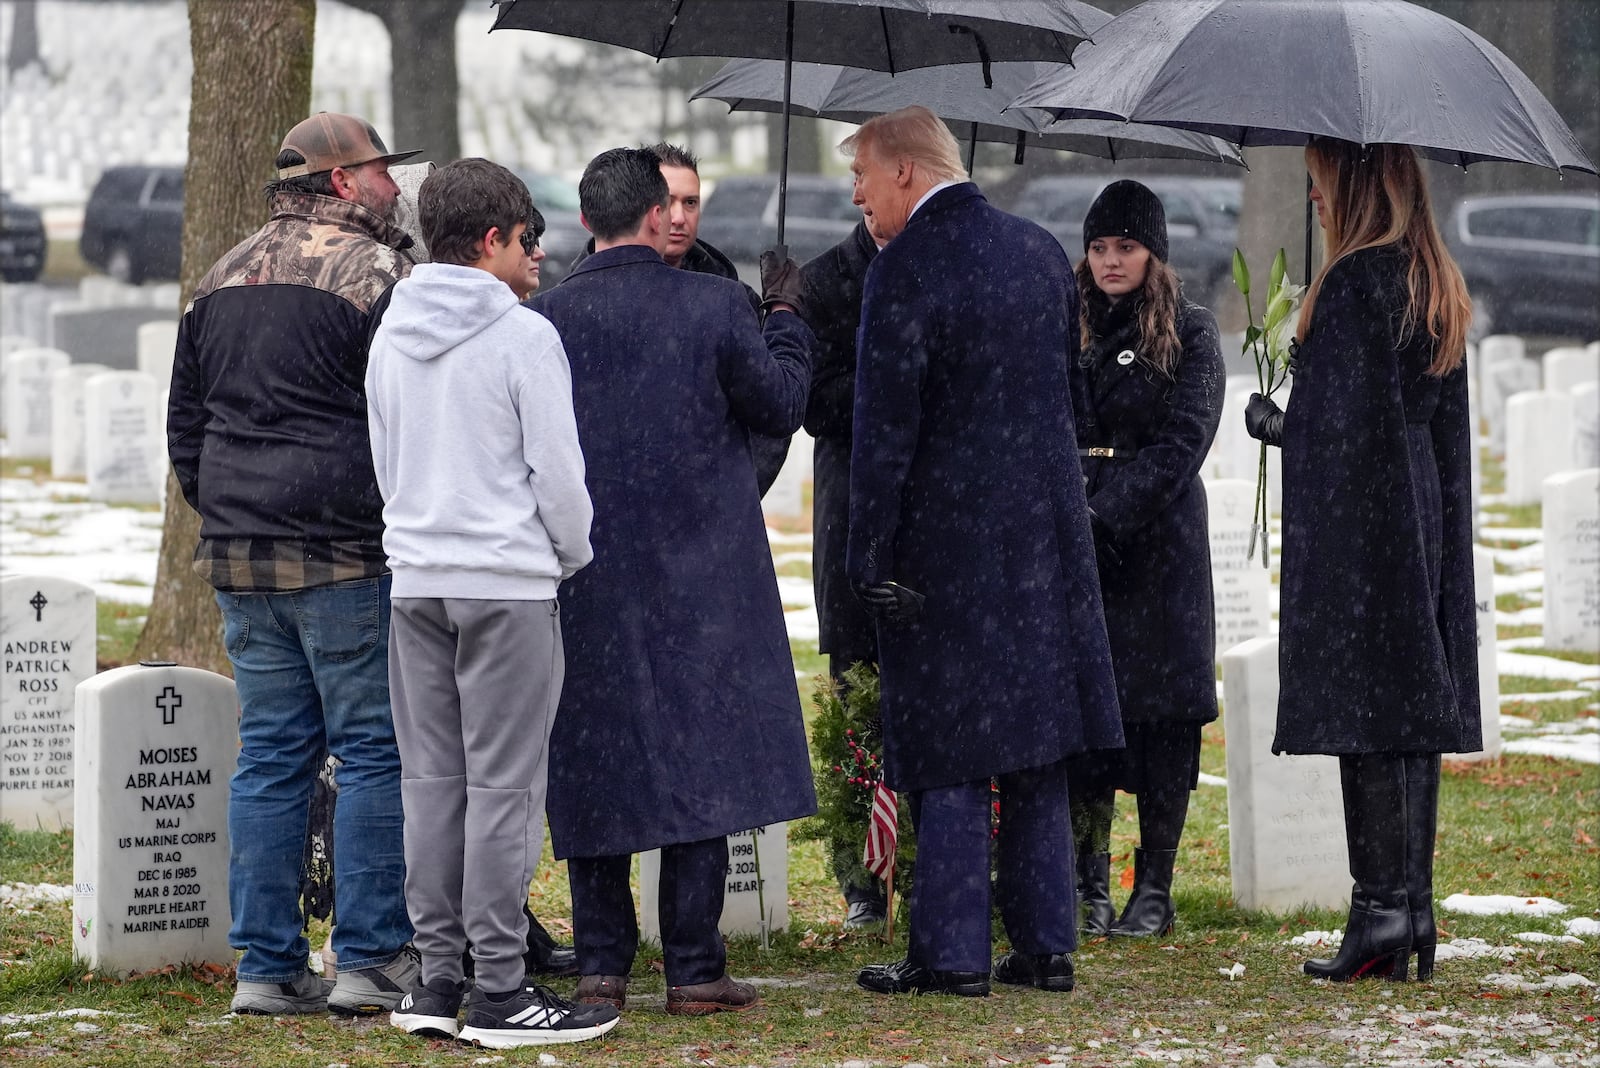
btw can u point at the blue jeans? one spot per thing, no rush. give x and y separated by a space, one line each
312 669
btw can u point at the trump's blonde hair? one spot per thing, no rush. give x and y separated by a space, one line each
1375 195
915 135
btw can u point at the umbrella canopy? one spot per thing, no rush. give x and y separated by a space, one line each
958 95
1273 72
887 35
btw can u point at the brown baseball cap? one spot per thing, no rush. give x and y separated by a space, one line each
328 140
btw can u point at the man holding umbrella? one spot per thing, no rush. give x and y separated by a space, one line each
969 542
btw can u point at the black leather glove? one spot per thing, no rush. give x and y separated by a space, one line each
890 602
1263 420
781 282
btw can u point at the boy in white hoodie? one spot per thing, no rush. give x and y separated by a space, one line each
469 401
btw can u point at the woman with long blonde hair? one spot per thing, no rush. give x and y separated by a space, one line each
1146 396
1378 638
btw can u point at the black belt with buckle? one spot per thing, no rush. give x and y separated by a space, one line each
1109 454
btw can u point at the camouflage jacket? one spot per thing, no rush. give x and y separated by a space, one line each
267 421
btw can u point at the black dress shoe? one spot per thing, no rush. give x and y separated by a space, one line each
1047 971
903 977
864 914
562 961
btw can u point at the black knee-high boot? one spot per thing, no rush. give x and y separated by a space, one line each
1377 936
1422 825
1091 833
1150 910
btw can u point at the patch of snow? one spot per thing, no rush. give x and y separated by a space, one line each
1584 927
24 896
1520 558
775 538
802 624
1532 616
1540 698
1523 582
1232 973
1583 748
1468 948
1508 661
1501 905
1487 533
1317 938
59 1014
1540 936
796 592
1207 779
1514 981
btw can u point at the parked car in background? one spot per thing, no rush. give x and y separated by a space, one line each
740 216
133 223
1531 262
564 234
1202 222
22 241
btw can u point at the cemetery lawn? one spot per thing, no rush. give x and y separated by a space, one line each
1524 826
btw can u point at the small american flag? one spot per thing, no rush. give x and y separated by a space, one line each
883 833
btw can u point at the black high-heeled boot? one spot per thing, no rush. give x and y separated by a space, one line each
1422 826
1094 892
1150 910
1377 936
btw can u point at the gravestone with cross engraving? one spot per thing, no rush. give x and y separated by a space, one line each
156 746
47 632
746 891
26 398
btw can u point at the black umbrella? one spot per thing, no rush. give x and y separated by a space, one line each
886 35
1274 72
958 94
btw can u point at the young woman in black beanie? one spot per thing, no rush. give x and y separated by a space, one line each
1147 393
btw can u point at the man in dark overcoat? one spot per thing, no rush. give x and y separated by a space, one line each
970 541
833 285
679 722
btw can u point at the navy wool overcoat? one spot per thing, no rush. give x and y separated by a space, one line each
833 285
679 719
1377 645
1155 553
965 486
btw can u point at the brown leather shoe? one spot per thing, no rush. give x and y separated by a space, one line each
703 999
602 990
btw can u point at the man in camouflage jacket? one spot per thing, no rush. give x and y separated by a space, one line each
267 432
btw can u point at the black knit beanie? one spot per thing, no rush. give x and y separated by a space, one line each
1128 209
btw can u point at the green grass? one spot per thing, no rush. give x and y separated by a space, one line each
119 624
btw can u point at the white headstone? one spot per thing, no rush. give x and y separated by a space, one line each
1500 347
1501 381
156 747
1227 458
1241 587
1572 560
27 400
1586 424
101 291
47 631
742 901
786 497
1488 673
126 443
1566 367
10 343
165 296
68 432
1474 438
1538 442
156 342
1286 844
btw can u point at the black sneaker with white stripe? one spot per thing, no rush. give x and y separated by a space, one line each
430 1009
533 1016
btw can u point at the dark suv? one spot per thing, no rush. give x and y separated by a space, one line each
1202 222
133 224
22 242
740 216
1531 261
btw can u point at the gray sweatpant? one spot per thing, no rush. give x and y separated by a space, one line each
474 685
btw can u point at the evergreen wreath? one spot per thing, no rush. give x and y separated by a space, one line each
846 740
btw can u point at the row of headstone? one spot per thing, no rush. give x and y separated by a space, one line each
1505 370
89 420
99 324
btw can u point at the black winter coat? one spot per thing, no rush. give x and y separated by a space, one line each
679 718
965 486
833 285
1378 638
1154 552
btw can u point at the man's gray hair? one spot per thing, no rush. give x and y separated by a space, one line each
914 134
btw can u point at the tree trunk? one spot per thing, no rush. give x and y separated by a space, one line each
23 49
252 82
424 88
1273 216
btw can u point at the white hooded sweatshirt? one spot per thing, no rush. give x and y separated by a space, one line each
469 402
